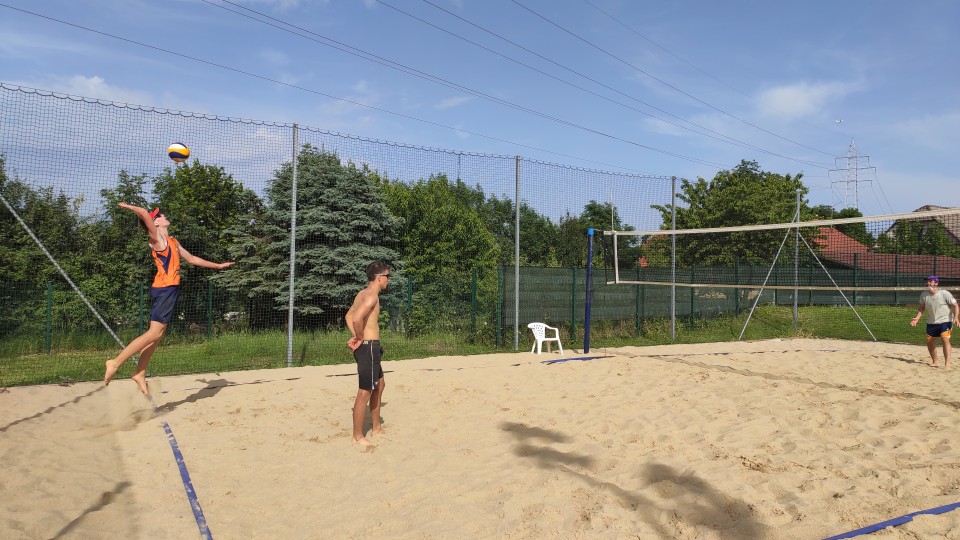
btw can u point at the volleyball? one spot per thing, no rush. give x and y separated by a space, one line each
178 152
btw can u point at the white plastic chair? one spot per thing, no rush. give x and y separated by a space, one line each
540 335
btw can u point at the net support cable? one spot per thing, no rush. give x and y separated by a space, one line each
62 272
825 271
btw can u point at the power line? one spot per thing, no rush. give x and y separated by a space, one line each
719 136
694 66
316 92
665 83
323 40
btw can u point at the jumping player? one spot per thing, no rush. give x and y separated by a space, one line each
166 252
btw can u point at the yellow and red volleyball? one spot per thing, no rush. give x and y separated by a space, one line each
178 152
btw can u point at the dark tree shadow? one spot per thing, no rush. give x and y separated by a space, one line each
211 389
106 498
49 410
715 510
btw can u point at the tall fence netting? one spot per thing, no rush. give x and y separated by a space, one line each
466 277
443 219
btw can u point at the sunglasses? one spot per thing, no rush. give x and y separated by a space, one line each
385 275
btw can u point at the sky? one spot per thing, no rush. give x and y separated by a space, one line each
684 88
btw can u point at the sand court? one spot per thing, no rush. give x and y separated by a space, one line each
773 439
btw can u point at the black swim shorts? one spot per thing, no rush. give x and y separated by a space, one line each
164 299
368 356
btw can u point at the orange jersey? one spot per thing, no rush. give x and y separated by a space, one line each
168 264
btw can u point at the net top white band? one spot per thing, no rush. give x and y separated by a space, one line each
796 224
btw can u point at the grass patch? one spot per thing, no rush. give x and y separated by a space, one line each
81 358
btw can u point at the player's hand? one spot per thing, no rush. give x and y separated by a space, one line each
221 266
127 206
354 343
913 322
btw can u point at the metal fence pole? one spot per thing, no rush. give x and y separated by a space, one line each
48 335
209 309
673 259
573 302
473 303
293 247
141 292
499 305
589 301
796 270
516 263
693 298
639 303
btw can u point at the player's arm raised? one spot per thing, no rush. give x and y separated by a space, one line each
144 216
197 261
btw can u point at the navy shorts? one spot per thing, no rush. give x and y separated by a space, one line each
164 299
368 356
941 330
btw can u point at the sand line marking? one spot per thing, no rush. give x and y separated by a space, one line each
184 476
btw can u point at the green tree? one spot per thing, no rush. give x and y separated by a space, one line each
572 238
742 196
54 219
538 235
342 226
119 254
445 238
571 247
202 202
918 238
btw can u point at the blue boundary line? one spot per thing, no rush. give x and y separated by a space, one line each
895 521
187 484
578 359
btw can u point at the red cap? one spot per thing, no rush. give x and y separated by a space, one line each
155 213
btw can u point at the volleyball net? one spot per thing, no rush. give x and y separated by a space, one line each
872 268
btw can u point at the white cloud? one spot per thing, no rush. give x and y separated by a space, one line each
450 103
275 57
657 125
803 99
458 131
361 86
281 5
98 88
17 44
934 131
363 96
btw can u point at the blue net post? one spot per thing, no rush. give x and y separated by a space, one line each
589 291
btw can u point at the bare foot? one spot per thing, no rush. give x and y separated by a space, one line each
110 372
141 380
377 431
364 443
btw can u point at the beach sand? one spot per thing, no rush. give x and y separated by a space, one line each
780 439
